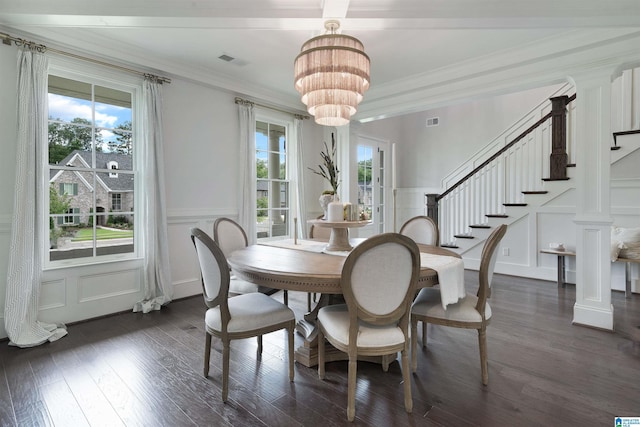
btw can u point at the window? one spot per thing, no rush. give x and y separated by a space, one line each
273 201
90 130
116 202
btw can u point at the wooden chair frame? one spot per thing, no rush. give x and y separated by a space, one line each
484 293
221 300
399 316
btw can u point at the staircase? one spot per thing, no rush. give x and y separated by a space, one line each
518 177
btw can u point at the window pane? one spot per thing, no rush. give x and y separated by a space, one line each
91 173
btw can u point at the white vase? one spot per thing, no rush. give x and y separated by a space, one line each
324 200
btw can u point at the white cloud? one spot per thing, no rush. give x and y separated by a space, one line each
67 109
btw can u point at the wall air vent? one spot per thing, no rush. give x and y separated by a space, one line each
433 121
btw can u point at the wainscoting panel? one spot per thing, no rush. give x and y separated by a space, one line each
122 282
53 294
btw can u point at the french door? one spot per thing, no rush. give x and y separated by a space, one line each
373 163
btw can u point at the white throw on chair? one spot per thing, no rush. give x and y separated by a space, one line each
243 316
471 312
378 283
421 229
230 236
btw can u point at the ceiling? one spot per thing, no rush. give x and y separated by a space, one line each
415 46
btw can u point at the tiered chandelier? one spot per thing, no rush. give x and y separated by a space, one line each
332 74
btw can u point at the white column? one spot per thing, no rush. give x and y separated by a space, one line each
593 217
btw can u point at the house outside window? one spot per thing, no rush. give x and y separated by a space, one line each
273 196
90 132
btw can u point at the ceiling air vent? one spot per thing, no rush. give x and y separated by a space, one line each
226 58
433 121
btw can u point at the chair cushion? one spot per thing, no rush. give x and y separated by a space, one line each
249 312
238 286
335 321
427 304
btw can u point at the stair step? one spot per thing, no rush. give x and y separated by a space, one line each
497 216
463 236
557 179
449 246
571 165
479 226
514 204
616 147
535 192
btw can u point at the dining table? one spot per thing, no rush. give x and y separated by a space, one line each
306 266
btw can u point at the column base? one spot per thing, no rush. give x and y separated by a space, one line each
593 317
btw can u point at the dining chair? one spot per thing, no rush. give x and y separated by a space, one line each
230 236
319 233
471 312
322 234
378 283
243 316
421 229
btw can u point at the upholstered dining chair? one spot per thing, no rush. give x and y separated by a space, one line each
471 312
378 283
421 229
230 236
319 233
243 316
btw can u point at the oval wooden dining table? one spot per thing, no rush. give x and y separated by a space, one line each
307 270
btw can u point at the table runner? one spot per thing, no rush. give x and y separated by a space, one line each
450 276
450 269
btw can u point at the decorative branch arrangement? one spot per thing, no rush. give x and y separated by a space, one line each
329 170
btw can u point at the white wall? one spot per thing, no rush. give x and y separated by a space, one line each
426 155
201 156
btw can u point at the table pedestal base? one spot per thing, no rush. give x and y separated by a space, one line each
339 240
307 354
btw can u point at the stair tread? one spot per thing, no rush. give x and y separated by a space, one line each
616 147
535 192
463 236
556 179
514 204
479 226
497 216
449 246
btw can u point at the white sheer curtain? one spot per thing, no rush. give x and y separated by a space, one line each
25 254
158 289
247 161
297 174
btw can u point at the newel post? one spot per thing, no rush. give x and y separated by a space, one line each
432 206
558 160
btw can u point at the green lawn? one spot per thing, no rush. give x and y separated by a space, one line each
101 234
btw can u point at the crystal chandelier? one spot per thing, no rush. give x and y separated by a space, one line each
332 74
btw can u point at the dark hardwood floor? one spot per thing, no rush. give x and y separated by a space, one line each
133 369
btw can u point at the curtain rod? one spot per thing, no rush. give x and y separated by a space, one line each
239 100
7 39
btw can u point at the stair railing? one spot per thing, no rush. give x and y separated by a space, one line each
539 153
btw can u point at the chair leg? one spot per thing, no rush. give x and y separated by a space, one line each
290 339
308 302
207 353
225 369
484 365
320 354
351 392
424 334
408 401
285 295
259 344
414 344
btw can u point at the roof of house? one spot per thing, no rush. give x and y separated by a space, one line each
120 183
